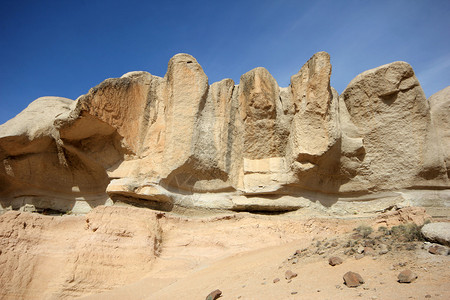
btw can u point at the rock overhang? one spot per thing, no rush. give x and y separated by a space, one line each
232 144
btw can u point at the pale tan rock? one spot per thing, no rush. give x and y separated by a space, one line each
440 114
258 95
389 109
438 232
313 160
178 141
38 167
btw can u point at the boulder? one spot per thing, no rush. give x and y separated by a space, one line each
437 233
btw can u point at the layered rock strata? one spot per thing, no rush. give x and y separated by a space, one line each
177 140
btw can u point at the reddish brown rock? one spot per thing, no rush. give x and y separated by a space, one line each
352 279
437 250
406 276
216 294
276 280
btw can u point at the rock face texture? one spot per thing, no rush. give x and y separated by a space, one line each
46 257
392 115
177 140
440 112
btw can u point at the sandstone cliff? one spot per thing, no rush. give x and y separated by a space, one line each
177 140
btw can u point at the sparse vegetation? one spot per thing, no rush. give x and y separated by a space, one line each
407 233
364 230
383 229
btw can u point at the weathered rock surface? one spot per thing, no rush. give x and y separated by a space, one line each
440 112
45 257
437 232
392 116
177 140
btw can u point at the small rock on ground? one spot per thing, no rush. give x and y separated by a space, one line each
214 295
437 250
352 279
334 261
406 276
289 275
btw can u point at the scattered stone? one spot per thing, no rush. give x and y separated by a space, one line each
334 261
437 250
360 249
359 256
410 247
276 280
28 208
437 232
352 279
293 293
383 249
369 251
214 295
406 276
289 275
428 296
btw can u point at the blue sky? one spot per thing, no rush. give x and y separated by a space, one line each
63 48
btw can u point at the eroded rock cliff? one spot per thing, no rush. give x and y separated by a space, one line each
177 140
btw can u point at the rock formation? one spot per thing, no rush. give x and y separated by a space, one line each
177 140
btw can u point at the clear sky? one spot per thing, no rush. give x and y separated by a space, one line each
63 48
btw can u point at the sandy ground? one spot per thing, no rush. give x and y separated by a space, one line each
133 253
242 254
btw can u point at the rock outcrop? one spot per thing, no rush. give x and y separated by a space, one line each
392 115
440 112
177 140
